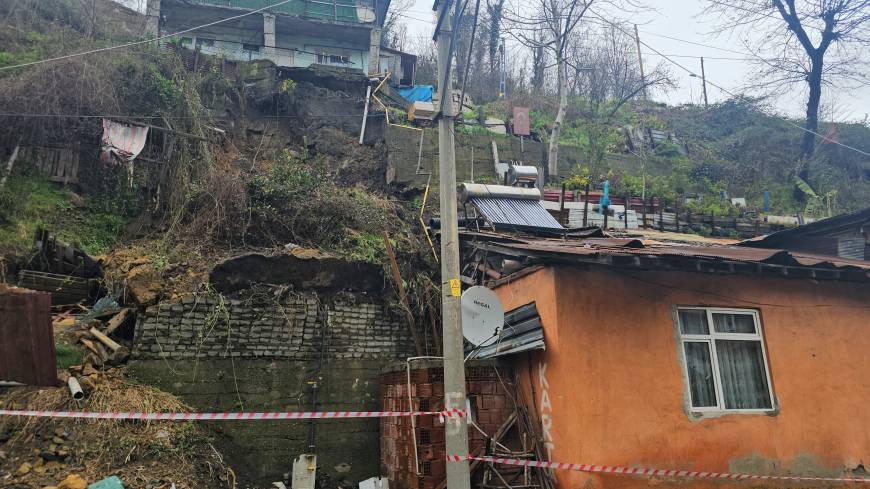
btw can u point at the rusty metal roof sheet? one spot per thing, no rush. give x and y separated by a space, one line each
522 332
605 250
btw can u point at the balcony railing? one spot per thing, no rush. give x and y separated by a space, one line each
335 10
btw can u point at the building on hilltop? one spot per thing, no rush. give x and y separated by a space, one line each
297 34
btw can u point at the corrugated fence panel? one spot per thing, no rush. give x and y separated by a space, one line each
26 338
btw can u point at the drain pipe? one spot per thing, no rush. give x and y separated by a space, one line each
411 408
75 389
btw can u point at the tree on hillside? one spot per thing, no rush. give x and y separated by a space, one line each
395 31
552 29
612 79
818 43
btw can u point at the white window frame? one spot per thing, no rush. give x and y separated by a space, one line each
710 340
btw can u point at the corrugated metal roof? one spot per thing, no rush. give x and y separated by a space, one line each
516 213
823 227
724 258
522 331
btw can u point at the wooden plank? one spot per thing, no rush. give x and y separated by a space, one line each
397 277
109 342
118 320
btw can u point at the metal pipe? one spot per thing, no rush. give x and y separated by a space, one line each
411 408
75 389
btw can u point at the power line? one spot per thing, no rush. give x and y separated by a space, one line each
695 43
725 90
705 57
137 43
192 117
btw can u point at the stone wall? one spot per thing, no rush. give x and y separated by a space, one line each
264 354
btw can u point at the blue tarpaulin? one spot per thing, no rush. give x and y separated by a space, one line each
417 93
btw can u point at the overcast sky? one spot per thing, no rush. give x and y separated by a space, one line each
679 19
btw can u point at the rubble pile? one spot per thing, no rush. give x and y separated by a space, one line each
74 453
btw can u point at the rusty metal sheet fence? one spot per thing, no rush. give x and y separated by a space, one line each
27 352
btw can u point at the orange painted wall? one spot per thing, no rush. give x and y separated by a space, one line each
616 387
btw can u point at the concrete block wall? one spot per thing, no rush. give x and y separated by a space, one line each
210 327
265 355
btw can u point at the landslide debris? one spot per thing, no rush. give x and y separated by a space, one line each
40 452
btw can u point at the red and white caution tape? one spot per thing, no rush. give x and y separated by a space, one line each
615 469
451 413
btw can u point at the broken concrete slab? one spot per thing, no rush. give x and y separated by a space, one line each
300 268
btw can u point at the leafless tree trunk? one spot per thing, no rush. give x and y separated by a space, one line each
801 53
562 96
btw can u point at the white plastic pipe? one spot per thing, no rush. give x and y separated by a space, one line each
75 389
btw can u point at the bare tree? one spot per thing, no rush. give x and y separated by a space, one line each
813 42
611 78
395 31
557 20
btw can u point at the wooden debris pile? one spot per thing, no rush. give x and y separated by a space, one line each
95 334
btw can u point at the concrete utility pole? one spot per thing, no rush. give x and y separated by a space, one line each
458 473
640 60
704 83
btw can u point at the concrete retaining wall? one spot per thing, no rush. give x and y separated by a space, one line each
404 145
263 354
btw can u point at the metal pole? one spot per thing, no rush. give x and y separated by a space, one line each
362 132
640 60
458 473
704 83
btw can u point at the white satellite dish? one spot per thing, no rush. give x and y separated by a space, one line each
482 314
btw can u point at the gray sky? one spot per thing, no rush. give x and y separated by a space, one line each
679 19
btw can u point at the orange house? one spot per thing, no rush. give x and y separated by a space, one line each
686 357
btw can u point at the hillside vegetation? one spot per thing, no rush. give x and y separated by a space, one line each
734 148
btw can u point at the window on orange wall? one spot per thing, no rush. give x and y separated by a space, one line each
724 360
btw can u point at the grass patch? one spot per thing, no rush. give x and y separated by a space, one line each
30 201
66 355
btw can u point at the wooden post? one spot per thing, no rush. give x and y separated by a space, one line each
643 205
677 214
562 206
661 215
586 206
627 202
712 224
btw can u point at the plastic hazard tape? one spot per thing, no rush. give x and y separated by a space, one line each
451 413
615 469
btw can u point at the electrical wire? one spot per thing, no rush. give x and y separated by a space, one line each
137 43
695 43
122 116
